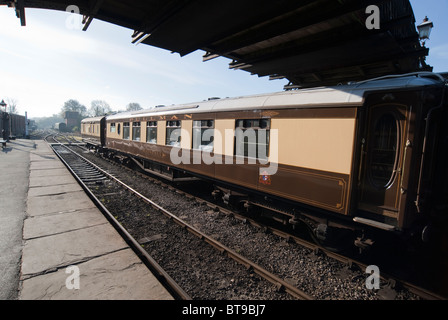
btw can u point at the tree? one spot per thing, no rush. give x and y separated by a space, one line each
133 106
12 105
74 106
99 108
48 122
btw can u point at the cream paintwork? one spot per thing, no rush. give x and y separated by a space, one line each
115 134
187 129
161 133
319 144
219 144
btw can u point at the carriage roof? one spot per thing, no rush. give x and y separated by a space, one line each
351 94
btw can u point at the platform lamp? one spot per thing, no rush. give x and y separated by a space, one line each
424 30
3 104
4 123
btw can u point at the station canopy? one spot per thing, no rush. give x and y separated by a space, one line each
309 42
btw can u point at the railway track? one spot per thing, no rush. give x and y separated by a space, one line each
93 176
393 283
389 281
87 175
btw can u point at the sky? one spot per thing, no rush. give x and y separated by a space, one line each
49 62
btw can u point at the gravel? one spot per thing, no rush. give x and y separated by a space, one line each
202 271
206 274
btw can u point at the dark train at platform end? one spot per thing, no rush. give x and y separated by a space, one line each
369 157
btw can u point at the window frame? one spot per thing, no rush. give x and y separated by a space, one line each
136 128
384 137
127 129
172 125
256 125
150 126
202 126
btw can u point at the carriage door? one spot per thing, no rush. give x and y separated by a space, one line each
103 131
383 151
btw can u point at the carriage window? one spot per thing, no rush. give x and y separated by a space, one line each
252 138
119 129
203 135
384 153
173 133
126 130
112 127
151 131
136 131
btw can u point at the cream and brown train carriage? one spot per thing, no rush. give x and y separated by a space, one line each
93 131
361 156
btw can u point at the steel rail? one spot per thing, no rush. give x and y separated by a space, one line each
157 270
277 281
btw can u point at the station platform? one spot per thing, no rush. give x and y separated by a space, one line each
54 242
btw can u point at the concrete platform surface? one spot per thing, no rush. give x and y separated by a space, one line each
14 176
117 275
59 245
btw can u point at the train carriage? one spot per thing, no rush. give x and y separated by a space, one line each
93 131
370 154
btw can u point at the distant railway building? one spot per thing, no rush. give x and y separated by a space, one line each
12 125
72 120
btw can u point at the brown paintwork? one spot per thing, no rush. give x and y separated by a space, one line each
395 202
314 113
384 200
317 188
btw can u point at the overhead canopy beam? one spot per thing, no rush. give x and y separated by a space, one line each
95 6
20 12
19 7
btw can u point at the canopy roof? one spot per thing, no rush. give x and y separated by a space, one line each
308 42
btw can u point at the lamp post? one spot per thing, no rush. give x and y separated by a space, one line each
4 122
3 104
424 30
